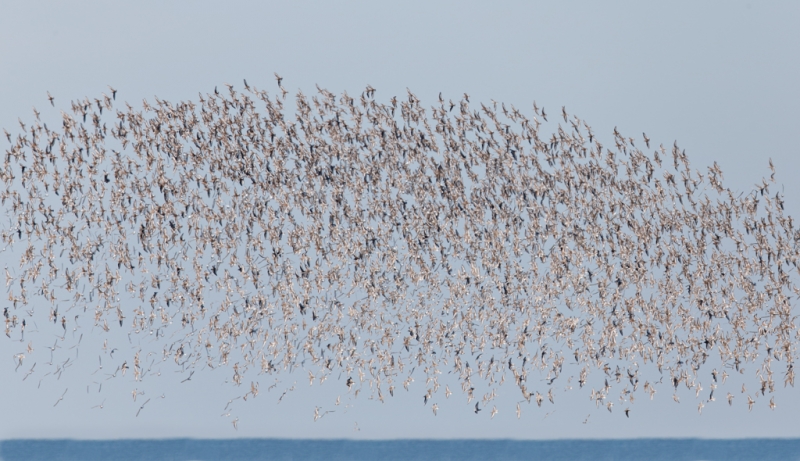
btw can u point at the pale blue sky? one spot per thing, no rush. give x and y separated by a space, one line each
718 77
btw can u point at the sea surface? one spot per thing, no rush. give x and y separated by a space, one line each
283 449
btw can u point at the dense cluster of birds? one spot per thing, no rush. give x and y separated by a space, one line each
462 244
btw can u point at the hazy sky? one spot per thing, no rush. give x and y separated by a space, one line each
718 77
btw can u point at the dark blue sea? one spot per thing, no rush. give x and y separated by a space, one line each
278 449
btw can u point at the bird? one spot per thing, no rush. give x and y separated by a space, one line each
188 377
62 397
236 233
141 407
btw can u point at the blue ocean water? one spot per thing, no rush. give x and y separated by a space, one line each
283 449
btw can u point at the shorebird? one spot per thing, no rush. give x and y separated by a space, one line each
141 407
62 397
384 241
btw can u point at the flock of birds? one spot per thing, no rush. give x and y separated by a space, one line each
379 244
